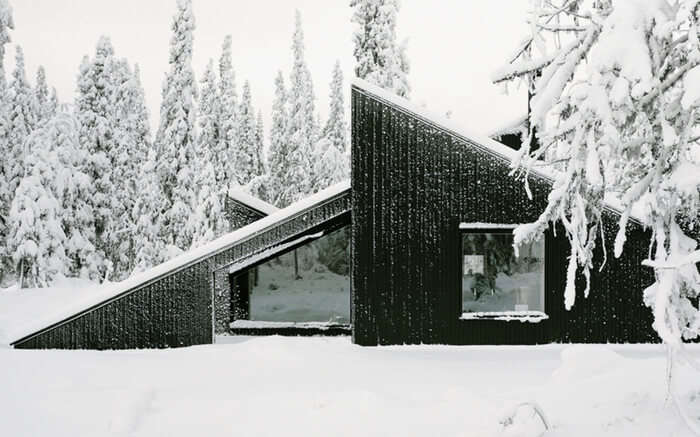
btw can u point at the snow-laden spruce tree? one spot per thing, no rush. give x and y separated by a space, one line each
23 114
380 60
94 109
131 142
150 246
247 158
260 142
46 106
279 146
36 237
300 125
617 107
330 160
208 220
224 164
6 23
175 140
73 188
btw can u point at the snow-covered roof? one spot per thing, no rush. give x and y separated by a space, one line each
107 292
514 126
478 140
237 194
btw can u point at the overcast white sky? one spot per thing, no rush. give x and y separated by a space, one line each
453 46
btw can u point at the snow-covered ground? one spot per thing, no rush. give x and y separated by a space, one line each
270 386
20 307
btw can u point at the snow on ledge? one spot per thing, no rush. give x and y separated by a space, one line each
483 141
237 194
244 263
259 324
107 292
520 316
479 225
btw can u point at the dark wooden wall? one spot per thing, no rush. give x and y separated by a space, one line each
413 183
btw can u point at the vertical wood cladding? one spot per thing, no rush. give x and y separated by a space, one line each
176 308
413 182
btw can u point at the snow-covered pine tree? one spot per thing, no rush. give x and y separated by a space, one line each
72 187
6 23
617 106
279 146
150 245
300 124
46 107
379 59
94 110
260 142
247 159
224 166
23 114
175 140
130 131
208 220
36 238
331 163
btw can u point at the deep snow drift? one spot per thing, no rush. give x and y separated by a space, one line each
272 386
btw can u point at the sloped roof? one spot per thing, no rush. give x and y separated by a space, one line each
478 140
109 292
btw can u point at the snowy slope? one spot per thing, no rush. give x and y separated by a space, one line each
281 386
104 293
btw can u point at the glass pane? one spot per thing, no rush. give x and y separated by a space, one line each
494 280
319 293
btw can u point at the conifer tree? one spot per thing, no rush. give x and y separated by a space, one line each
94 105
6 23
379 59
300 125
224 166
147 215
247 160
260 143
23 114
175 140
43 99
279 146
129 121
330 160
73 189
37 239
208 220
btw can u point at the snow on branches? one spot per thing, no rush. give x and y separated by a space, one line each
616 110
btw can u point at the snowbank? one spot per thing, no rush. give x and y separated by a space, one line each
282 386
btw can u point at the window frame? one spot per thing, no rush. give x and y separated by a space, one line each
524 316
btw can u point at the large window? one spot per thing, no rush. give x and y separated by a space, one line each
309 284
494 280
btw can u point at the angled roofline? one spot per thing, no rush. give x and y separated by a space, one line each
483 142
239 195
110 293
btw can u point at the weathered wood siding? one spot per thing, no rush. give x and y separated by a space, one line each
413 183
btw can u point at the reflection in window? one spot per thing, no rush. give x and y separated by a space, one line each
317 290
494 280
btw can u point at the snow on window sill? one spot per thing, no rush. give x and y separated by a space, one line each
480 225
507 316
260 324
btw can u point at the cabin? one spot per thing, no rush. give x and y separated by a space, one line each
415 248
